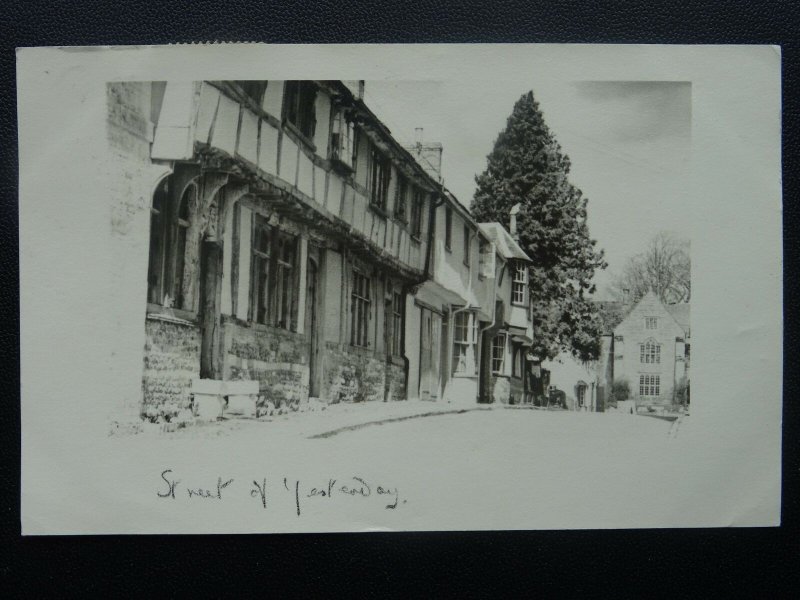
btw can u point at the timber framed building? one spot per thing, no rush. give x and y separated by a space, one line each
275 232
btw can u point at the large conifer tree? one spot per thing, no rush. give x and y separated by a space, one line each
527 166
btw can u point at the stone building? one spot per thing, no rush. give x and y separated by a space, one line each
263 230
650 349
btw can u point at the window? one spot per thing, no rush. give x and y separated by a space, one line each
400 199
650 353
274 294
359 309
467 241
519 284
416 213
397 324
343 136
284 282
448 227
651 322
498 352
253 90
378 178
169 224
298 106
465 343
261 262
649 385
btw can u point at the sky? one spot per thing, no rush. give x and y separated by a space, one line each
629 143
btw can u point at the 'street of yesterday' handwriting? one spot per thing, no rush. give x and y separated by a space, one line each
267 493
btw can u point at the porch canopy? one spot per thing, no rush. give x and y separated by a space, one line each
519 335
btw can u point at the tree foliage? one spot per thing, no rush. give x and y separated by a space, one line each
620 390
664 267
528 167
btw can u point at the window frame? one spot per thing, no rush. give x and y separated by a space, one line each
651 323
378 176
277 262
401 198
342 139
649 385
498 369
519 284
360 308
650 353
299 108
398 323
463 343
417 207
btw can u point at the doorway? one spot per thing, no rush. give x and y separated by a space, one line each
430 354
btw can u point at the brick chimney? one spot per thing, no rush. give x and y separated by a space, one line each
427 154
513 225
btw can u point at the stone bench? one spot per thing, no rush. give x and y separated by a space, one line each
213 398
242 397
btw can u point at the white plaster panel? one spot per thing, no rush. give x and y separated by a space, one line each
268 156
289 152
226 125
248 137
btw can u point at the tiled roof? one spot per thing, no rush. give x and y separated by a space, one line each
680 312
506 245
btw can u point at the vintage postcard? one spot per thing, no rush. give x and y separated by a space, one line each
462 287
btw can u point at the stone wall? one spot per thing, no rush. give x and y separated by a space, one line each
171 361
358 375
277 358
396 373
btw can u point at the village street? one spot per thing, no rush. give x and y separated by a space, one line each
365 464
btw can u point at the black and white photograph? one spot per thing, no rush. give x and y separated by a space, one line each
426 299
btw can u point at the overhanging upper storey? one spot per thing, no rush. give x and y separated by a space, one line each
310 150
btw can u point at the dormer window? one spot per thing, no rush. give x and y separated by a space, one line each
298 107
342 148
520 284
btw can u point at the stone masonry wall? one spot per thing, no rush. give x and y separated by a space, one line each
171 361
396 373
277 358
358 375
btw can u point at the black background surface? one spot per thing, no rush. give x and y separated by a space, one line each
651 562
